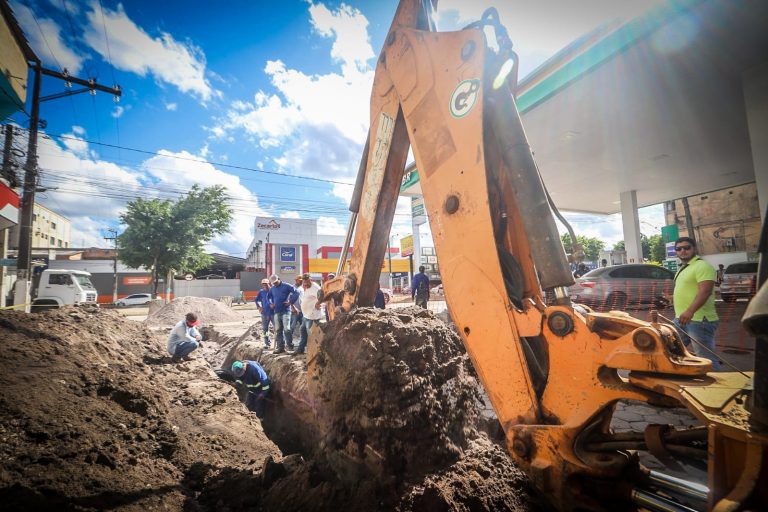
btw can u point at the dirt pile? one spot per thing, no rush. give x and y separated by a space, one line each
398 392
208 311
385 420
93 416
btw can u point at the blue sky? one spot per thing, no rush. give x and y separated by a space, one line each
269 99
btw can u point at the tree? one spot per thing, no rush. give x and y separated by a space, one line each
164 235
653 247
592 246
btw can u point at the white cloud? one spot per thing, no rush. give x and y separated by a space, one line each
351 46
118 112
171 107
290 215
324 135
181 64
330 226
46 40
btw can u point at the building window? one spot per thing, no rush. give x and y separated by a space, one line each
53 225
53 241
59 242
34 217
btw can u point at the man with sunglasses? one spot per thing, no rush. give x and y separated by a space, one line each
694 299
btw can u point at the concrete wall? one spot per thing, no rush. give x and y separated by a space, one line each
211 288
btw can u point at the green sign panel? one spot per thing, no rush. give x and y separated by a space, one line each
669 233
410 178
417 206
7 262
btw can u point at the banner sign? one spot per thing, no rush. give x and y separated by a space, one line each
288 254
137 280
406 246
288 268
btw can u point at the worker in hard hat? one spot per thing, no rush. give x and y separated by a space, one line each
251 376
267 313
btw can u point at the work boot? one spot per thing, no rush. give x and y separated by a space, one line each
175 359
298 353
279 351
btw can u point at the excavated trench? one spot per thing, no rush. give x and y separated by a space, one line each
384 413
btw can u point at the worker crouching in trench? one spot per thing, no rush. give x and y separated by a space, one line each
251 377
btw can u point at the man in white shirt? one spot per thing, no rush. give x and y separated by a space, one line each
184 338
310 308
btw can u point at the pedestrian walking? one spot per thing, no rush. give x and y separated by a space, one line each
266 311
420 288
184 338
251 376
310 309
379 302
694 299
281 296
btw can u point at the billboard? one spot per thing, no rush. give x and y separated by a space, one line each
406 246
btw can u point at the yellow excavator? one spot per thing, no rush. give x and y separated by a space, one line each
551 370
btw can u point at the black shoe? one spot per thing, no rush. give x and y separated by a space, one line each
298 353
291 347
279 351
175 359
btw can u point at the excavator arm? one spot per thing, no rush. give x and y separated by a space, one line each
551 371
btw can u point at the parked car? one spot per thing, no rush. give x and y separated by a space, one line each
624 285
437 290
212 276
739 280
137 299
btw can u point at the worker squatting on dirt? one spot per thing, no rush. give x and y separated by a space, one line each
251 375
267 315
184 338
420 288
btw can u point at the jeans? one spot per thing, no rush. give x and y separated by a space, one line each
283 335
257 403
296 319
422 301
265 321
185 348
703 332
306 324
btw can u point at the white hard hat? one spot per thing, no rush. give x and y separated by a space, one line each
265 281
274 278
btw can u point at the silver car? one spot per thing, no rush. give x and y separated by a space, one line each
739 280
623 286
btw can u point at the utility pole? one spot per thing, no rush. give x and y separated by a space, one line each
113 232
689 220
9 174
24 261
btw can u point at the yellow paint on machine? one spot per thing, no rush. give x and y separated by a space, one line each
321 265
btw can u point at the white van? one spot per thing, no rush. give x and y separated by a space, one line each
58 287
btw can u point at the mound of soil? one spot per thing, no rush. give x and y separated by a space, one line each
208 311
398 392
94 416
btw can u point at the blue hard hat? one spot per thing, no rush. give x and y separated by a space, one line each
238 368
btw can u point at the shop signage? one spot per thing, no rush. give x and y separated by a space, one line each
273 224
406 246
288 254
137 280
417 206
288 268
410 178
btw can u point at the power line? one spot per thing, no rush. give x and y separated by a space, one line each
199 161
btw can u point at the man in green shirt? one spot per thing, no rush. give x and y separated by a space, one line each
694 299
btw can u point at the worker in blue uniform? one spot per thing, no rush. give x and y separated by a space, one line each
251 375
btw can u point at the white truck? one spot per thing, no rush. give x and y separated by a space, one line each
58 287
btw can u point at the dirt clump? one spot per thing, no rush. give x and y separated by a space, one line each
209 311
94 416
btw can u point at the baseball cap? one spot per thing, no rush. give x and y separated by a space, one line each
265 281
191 319
306 275
238 368
274 277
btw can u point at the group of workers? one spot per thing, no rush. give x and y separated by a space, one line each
286 307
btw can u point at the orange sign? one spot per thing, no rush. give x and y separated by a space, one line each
134 280
406 246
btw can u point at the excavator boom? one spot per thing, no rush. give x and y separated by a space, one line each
550 370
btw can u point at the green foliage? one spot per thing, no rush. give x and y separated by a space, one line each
592 246
164 235
653 247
